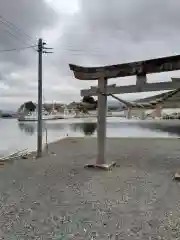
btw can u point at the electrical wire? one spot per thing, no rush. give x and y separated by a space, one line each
17 49
11 34
14 27
16 30
16 37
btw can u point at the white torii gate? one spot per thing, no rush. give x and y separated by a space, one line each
102 74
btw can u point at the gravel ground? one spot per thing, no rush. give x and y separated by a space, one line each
56 198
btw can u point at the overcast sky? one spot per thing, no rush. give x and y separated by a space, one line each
85 32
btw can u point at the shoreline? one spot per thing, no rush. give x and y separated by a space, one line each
166 129
32 154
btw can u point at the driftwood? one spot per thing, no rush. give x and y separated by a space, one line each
14 156
21 154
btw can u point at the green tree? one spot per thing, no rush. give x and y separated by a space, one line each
90 100
30 106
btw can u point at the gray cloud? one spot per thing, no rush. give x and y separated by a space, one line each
137 19
110 32
31 17
18 70
100 32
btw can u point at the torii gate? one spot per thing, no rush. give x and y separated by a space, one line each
102 74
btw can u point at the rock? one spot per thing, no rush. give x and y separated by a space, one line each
177 176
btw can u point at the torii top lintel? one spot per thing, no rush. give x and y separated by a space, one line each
157 65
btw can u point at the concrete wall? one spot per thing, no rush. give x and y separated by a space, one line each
141 113
135 112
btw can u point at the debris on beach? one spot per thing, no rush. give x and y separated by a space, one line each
177 176
22 154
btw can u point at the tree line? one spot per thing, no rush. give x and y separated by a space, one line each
87 103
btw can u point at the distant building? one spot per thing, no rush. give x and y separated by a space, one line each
47 106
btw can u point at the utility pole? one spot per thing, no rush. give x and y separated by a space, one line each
41 50
39 137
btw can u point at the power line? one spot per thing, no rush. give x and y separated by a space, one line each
14 27
12 34
16 31
17 49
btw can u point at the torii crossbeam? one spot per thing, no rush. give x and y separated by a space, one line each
102 74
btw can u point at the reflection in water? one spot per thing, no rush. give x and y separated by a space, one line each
55 126
159 127
21 135
87 128
29 129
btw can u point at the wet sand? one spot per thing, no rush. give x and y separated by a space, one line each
56 198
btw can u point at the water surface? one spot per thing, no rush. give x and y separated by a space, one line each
15 135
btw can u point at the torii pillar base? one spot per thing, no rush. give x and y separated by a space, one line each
105 167
101 128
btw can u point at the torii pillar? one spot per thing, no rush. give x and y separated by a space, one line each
129 113
101 121
101 128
